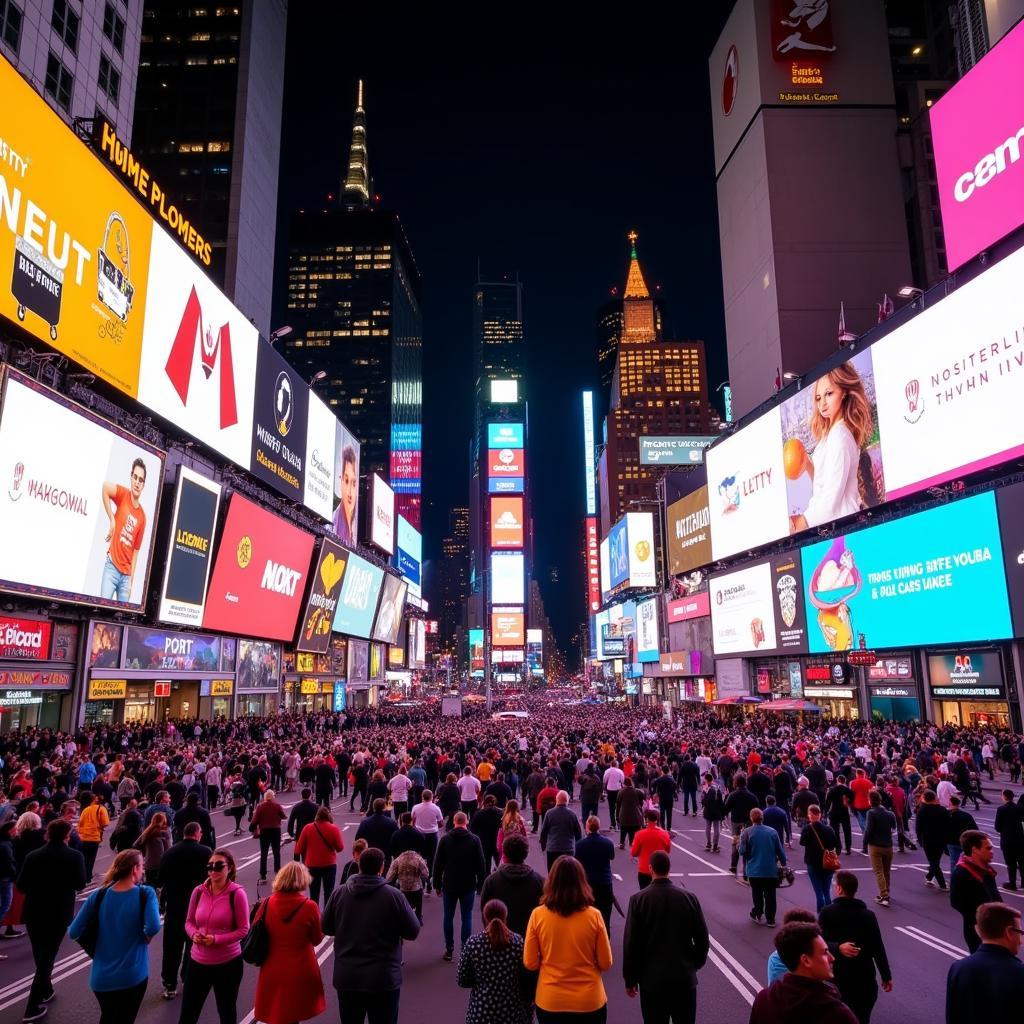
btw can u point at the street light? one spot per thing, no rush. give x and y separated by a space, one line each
789 375
281 332
317 377
908 291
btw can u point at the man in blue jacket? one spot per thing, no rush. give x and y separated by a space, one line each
985 986
761 850
596 853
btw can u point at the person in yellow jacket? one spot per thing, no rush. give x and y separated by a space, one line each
91 823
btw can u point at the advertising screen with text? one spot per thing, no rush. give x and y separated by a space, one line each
506 463
689 532
506 522
507 629
357 604
318 616
259 574
382 512
392 605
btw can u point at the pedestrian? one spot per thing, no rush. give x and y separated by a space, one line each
665 944
399 786
491 965
128 828
738 805
629 810
560 830
1010 826
973 882
819 842
838 801
378 828
182 869
646 841
318 847
512 824
861 787
847 920
762 853
236 805
515 884
803 994
127 918
410 871
458 874
265 824
485 824
712 805
406 837
28 837
932 831
567 944
590 792
289 987
8 871
596 853
427 819
469 791
879 825
302 813
359 847
153 843
216 922
986 986
666 789
369 920
49 880
612 780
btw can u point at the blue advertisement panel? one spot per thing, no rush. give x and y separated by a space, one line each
505 435
339 695
409 552
509 485
618 553
358 602
934 577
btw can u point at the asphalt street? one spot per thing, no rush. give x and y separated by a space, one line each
921 932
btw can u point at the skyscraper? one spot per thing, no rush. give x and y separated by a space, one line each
354 306
609 335
454 578
208 127
498 347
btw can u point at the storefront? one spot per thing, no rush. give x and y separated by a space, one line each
309 679
258 680
833 688
37 670
893 690
969 687
139 674
675 677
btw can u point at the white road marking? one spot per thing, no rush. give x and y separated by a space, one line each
927 939
707 863
737 966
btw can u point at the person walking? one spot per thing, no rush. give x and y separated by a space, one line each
302 813
399 786
629 810
289 987
154 842
216 922
960 821
512 824
838 800
459 872
666 789
369 920
485 824
8 871
236 801
847 920
567 944
973 882
665 944
410 871
515 884
819 842
590 792
932 830
560 830
427 819
49 879
266 826
762 852
596 853
469 791
181 870
612 780
712 805
92 821
985 986
879 825
318 847
803 994
738 805
127 918
491 966
1010 826
646 841
194 811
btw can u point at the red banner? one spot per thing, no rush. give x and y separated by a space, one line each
593 564
24 638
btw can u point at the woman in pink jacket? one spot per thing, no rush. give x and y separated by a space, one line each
218 919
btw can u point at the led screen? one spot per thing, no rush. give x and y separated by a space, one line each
358 601
392 605
507 582
507 629
647 643
382 511
640 541
506 522
505 435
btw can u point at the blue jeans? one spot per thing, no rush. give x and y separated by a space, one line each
862 817
465 901
6 897
954 850
115 586
821 883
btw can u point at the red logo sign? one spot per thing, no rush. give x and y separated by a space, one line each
593 564
193 332
730 81
693 607
162 689
24 638
260 574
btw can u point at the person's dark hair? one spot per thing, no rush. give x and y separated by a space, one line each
792 941
193 830
139 464
994 918
847 881
371 860
489 800
496 924
379 805
661 863
348 457
85 798
1008 794
306 793
875 798
651 815
928 797
516 849
971 840
57 831
406 819
566 890
798 914
229 858
324 814
740 782
769 801
955 801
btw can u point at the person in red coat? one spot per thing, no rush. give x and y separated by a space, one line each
318 847
289 987
645 842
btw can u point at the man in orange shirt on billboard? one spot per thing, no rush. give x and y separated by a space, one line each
127 528
645 842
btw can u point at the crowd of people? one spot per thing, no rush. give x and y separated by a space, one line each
450 806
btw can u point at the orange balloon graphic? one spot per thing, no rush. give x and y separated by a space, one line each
793 456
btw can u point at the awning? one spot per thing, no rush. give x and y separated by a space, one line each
791 704
745 699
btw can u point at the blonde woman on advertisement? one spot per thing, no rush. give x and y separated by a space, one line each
841 422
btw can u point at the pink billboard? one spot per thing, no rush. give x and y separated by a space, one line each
978 134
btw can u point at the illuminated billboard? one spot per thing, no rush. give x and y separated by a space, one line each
389 614
688 527
535 652
409 554
640 539
506 462
604 557
590 477
382 512
476 652
505 435
357 603
507 629
318 616
618 554
593 564
507 577
505 485
507 522
647 641
504 391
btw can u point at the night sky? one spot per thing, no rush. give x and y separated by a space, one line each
535 149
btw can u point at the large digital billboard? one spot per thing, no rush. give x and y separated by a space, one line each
746 488
79 506
605 562
409 554
189 549
279 425
476 652
507 628
318 616
688 527
357 604
506 463
647 641
346 486
618 554
593 564
389 614
589 475
933 577
507 580
673 451
977 130
259 574
1010 505
382 515
321 430
535 652
505 435
507 529
505 485
640 536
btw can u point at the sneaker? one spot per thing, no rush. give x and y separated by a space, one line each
11 933
707 849
169 993
49 998
1010 886
755 916
37 1014
448 956
770 924
883 903
714 849
929 883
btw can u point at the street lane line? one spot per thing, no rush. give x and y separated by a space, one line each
56 978
706 863
739 968
934 938
729 977
934 945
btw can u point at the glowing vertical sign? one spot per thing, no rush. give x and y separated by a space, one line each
588 452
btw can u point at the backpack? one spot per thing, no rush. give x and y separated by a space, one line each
90 936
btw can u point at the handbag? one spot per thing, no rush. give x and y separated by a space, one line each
256 944
829 858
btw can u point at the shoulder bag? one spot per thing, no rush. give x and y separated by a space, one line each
256 944
829 858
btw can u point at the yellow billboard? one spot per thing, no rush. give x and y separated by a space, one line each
74 243
107 689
